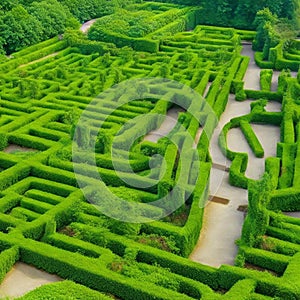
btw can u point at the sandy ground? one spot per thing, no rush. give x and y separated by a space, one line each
87 25
274 85
273 106
205 94
24 278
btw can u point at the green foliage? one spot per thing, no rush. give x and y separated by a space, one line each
7 260
43 213
19 29
252 139
257 218
239 14
64 290
87 10
266 79
3 141
53 16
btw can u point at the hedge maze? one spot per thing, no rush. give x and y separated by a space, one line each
45 219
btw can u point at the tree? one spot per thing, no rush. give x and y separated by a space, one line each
86 10
218 12
271 30
263 20
52 15
19 29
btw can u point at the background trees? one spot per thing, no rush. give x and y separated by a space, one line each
53 16
26 22
271 30
19 29
246 10
241 13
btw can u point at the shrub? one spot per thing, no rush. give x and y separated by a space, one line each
266 79
257 218
3 141
252 139
68 289
7 260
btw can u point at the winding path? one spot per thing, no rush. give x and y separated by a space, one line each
222 224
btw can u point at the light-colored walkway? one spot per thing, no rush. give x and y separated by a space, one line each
294 214
274 85
222 224
24 278
252 75
87 25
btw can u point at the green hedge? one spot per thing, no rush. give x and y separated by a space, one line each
266 79
266 259
7 260
13 175
253 94
272 167
237 171
258 56
64 290
285 199
287 165
91 273
74 245
138 44
252 139
257 219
